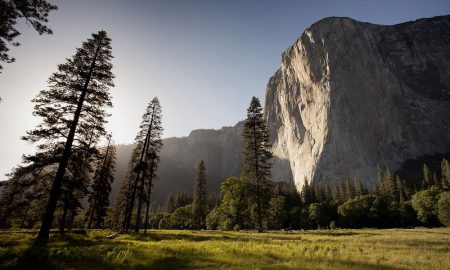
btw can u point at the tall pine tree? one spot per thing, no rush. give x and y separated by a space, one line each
72 108
256 160
148 143
199 203
101 186
121 204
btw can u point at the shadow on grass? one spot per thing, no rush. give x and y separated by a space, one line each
56 257
168 263
157 236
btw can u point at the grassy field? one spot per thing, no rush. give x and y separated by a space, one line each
338 249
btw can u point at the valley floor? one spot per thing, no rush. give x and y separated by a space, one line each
322 249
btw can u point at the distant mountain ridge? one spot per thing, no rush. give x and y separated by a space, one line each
221 150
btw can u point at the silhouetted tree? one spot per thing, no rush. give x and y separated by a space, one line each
72 106
34 12
148 143
75 185
256 160
153 159
200 204
101 186
120 209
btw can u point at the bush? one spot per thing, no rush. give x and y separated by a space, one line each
181 218
236 228
443 206
332 225
318 215
215 218
226 225
360 211
425 204
165 222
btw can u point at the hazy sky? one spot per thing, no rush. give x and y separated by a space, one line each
203 59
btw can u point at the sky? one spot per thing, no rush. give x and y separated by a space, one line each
204 60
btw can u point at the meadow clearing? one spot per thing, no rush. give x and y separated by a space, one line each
419 248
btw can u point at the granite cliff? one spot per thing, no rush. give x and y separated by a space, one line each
350 95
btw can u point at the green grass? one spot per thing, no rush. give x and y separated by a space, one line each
323 249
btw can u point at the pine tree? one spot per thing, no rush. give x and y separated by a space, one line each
445 174
307 194
359 188
169 205
121 204
101 186
148 144
154 159
402 197
256 159
34 12
200 204
75 185
72 108
350 189
78 176
390 186
427 176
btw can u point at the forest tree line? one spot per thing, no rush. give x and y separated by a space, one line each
392 203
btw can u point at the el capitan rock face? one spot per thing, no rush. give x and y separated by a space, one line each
350 95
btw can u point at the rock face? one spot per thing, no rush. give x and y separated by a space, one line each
350 95
220 149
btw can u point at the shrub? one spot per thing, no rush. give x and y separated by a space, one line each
360 211
425 204
333 225
215 218
165 222
443 206
181 218
318 215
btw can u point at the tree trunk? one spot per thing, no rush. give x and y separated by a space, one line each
258 191
47 221
149 192
62 223
91 214
141 198
24 216
133 193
